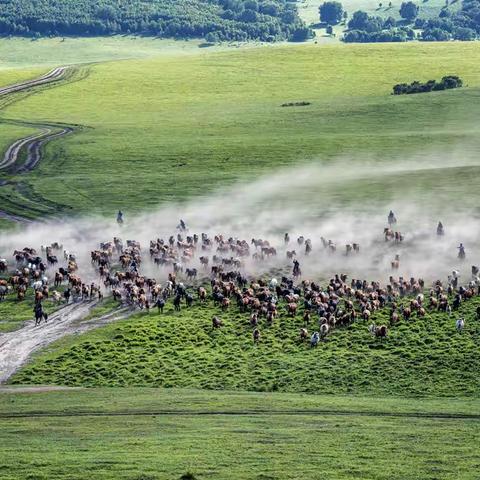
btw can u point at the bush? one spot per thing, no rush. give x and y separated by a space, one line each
435 35
390 35
464 34
188 476
301 34
362 21
446 83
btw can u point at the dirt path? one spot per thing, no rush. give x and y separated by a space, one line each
52 76
32 144
16 347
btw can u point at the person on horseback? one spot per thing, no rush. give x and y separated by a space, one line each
182 226
120 217
391 218
440 229
39 313
461 251
296 268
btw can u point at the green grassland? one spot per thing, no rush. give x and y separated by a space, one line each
18 53
420 357
184 125
275 436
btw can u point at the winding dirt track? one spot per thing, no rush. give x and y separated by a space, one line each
33 143
51 76
17 346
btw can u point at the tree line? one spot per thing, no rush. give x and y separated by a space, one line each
213 20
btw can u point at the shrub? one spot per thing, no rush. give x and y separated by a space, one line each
447 82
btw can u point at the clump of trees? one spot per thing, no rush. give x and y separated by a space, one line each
364 28
463 24
214 20
446 83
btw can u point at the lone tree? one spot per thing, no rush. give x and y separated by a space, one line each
331 12
409 11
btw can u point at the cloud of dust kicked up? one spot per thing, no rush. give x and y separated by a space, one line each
304 201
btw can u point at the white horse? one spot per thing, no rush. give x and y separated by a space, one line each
460 324
324 328
314 339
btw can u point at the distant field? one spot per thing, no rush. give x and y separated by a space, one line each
171 127
27 53
307 437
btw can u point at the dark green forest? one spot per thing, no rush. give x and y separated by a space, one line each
213 20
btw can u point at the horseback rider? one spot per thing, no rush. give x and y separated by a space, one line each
440 229
391 218
296 268
286 239
120 217
308 246
182 226
461 251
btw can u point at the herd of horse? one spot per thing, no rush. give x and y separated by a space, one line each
197 268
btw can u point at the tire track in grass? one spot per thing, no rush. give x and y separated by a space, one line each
32 144
243 413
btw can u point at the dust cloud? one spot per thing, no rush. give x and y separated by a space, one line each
313 201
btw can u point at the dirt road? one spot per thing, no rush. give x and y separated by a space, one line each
17 346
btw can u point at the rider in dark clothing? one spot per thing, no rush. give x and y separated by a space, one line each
120 217
440 229
391 218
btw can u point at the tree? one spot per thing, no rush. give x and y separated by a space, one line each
409 11
331 12
362 21
358 20
302 34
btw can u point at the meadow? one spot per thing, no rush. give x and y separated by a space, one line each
169 121
171 127
153 434
421 357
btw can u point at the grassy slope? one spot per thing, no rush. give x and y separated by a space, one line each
24 53
421 357
188 124
283 446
